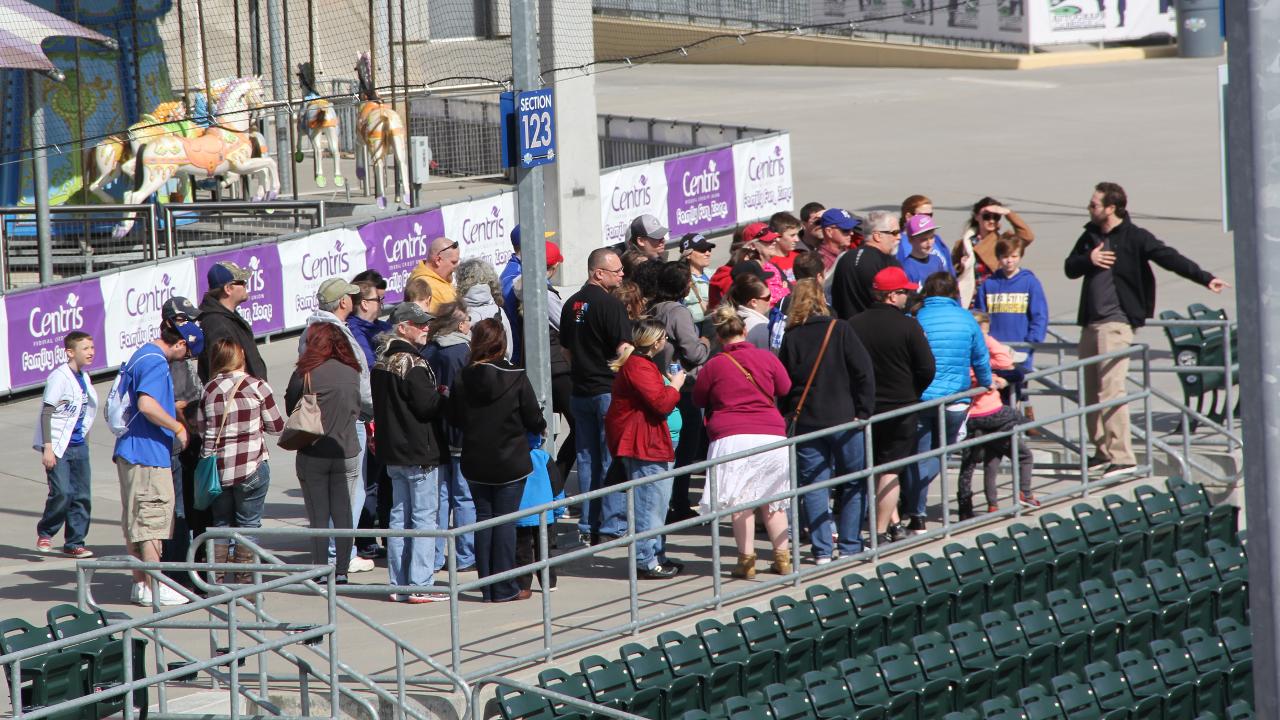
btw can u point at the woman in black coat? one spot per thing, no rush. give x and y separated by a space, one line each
494 406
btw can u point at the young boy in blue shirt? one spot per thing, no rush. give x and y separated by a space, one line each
1015 300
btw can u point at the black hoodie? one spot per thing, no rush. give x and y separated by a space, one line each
494 406
406 405
844 387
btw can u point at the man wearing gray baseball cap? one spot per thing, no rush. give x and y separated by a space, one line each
647 236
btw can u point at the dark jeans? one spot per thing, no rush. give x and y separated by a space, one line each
692 448
496 546
561 394
528 551
990 455
915 492
376 511
69 498
843 453
193 521
240 506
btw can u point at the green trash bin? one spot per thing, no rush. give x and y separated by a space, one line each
1199 28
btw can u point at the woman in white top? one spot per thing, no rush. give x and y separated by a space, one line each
751 299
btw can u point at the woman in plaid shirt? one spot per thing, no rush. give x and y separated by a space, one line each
236 411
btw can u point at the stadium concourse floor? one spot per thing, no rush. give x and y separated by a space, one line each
863 139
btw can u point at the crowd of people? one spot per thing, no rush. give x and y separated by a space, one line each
423 418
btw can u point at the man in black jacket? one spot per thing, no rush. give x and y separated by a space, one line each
855 272
1119 293
228 289
406 405
904 367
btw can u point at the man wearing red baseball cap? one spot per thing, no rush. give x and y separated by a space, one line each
904 368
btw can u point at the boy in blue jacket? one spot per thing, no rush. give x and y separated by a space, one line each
1015 300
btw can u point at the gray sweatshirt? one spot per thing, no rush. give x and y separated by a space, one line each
683 343
366 394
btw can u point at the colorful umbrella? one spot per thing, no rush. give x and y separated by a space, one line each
23 27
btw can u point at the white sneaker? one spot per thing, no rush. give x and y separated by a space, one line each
168 596
360 564
140 594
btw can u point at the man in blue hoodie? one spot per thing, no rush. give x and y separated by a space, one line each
958 347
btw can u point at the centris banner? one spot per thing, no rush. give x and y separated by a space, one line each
396 245
263 309
309 261
135 298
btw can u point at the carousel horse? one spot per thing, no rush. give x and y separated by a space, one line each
383 133
319 122
223 148
113 156
202 113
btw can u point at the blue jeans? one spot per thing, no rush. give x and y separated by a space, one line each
651 509
455 495
915 491
69 501
607 515
240 505
845 453
415 500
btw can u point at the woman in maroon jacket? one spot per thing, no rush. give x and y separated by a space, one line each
636 429
739 388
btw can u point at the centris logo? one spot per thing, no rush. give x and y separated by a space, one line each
331 263
766 167
65 318
255 283
147 301
708 181
411 247
485 228
639 195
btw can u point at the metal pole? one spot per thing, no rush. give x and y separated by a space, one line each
279 72
525 71
40 176
1253 45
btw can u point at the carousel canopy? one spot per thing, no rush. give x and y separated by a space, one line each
23 27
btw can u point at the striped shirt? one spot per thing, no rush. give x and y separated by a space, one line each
240 443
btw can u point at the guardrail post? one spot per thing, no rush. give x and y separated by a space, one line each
794 531
717 584
544 577
333 643
234 667
632 579
1080 425
455 631
873 494
1228 358
1146 404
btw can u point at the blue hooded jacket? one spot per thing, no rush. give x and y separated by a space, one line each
957 344
1017 306
366 333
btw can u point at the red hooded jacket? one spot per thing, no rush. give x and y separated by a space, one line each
636 424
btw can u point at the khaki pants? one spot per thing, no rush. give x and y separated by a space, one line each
1108 428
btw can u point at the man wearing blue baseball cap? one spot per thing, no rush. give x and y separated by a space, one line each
510 304
228 289
143 452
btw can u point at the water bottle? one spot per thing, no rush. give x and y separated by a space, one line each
673 368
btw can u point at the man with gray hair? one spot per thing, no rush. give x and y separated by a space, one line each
856 270
334 305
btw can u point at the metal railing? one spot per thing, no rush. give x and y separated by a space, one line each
1072 422
625 140
151 627
202 226
81 241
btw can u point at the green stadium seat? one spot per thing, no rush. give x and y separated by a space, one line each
1131 530
105 655
649 669
515 705
835 609
1161 509
970 566
868 689
1240 680
1231 600
1067 535
905 589
45 679
694 715
688 657
941 663
1039 704
1138 596
1112 691
829 696
870 598
1106 606
1166 581
740 708
763 632
973 648
962 715
938 578
1197 571
789 704
1206 650
1220 520
1035 579
1240 710
800 622
574 685
1230 560
1235 637
1033 543
610 684
727 645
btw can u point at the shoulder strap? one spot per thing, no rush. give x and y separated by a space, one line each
814 370
748 374
225 402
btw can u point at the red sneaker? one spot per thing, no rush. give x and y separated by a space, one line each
78 553
1028 499
44 544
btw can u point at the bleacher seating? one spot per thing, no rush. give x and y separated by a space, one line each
1135 610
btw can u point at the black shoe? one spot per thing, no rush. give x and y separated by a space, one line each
467 568
965 508
372 552
340 580
598 538
573 513
659 572
1114 470
882 539
673 563
1098 462
676 514
917 525
897 532
585 539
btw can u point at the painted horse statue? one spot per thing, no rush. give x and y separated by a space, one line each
113 156
319 122
223 148
383 132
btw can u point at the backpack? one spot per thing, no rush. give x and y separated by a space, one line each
119 402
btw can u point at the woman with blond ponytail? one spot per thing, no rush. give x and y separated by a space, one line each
740 387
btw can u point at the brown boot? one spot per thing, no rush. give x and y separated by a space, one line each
781 562
746 568
1030 413
244 555
219 556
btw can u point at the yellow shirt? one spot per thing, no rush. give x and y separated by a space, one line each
442 291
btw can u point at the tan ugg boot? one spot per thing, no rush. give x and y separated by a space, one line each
244 555
1030 414
746 568
781 562
219 556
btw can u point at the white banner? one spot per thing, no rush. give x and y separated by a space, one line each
307 262
762 177
1088 21
482 228
628 192
133 299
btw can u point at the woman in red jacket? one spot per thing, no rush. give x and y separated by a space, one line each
739 388
638 436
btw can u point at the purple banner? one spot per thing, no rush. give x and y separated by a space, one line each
700 192
394 246
40 319
264 310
